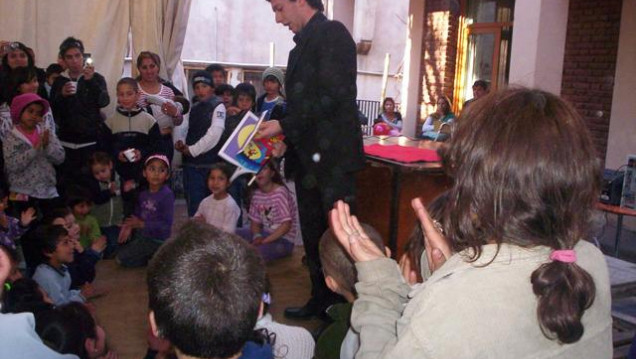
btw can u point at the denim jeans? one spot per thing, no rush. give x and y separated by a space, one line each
195 187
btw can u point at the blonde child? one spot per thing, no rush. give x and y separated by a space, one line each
219 209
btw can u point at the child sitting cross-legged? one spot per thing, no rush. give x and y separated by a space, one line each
52 275
80 203
152 218
338 340
205 289
272 212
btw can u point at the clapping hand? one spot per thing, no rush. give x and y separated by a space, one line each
437 248
27 216
351 236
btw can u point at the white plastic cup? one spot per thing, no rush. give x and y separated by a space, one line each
130 155
73 87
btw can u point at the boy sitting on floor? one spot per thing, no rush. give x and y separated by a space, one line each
338 340
205 290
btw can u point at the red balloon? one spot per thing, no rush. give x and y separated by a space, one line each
381 129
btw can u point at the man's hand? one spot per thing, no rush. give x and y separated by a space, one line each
88 72
269 129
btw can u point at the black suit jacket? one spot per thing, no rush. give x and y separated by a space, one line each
321 126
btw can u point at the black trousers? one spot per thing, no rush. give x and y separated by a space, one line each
316 198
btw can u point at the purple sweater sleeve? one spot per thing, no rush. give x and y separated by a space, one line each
157 212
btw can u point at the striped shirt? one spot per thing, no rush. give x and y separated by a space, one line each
272 209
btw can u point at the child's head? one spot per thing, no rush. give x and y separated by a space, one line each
217 72
526 172
79 201
480 89
72 54
388 105
63 216
127 93
204 289
26 295
245 95
340 271
219 178
71 329
156 170
22 80
203 85
226 93
101 166
270 173
53 71
54 245
27 109
273 80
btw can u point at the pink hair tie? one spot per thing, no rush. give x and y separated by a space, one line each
563 255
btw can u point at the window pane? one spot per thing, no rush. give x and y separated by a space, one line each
479 64
490 11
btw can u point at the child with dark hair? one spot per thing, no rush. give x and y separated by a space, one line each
106 189
52 275
25 295
30 154
273 99
272 213
226 93
53 71
152 219
19 339
219 209
202 143
339 340
288 341
216 316
135 135
71 329
11 228
525 185
80 202
217 73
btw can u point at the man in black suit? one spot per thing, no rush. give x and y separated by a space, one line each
321 127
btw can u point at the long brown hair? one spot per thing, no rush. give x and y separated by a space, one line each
526 173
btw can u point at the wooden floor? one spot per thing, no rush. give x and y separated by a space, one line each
123 311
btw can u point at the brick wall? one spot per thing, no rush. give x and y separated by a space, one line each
439 53
590 63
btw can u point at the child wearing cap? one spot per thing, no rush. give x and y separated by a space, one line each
30 154
273 99
201 147
152 219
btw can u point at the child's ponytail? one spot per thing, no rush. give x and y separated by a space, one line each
564 292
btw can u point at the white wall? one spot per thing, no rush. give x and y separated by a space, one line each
538 44
239 31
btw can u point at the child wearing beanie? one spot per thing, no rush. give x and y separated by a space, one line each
30 154
273 99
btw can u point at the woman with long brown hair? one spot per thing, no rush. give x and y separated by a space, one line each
515 277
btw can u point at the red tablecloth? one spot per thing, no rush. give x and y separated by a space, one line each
401 153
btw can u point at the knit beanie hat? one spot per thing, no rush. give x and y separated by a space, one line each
202 76
276 73
21 102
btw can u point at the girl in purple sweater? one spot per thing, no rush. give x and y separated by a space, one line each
152 219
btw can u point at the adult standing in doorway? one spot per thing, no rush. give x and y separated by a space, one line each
321 127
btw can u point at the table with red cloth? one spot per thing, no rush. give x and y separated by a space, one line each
398 170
